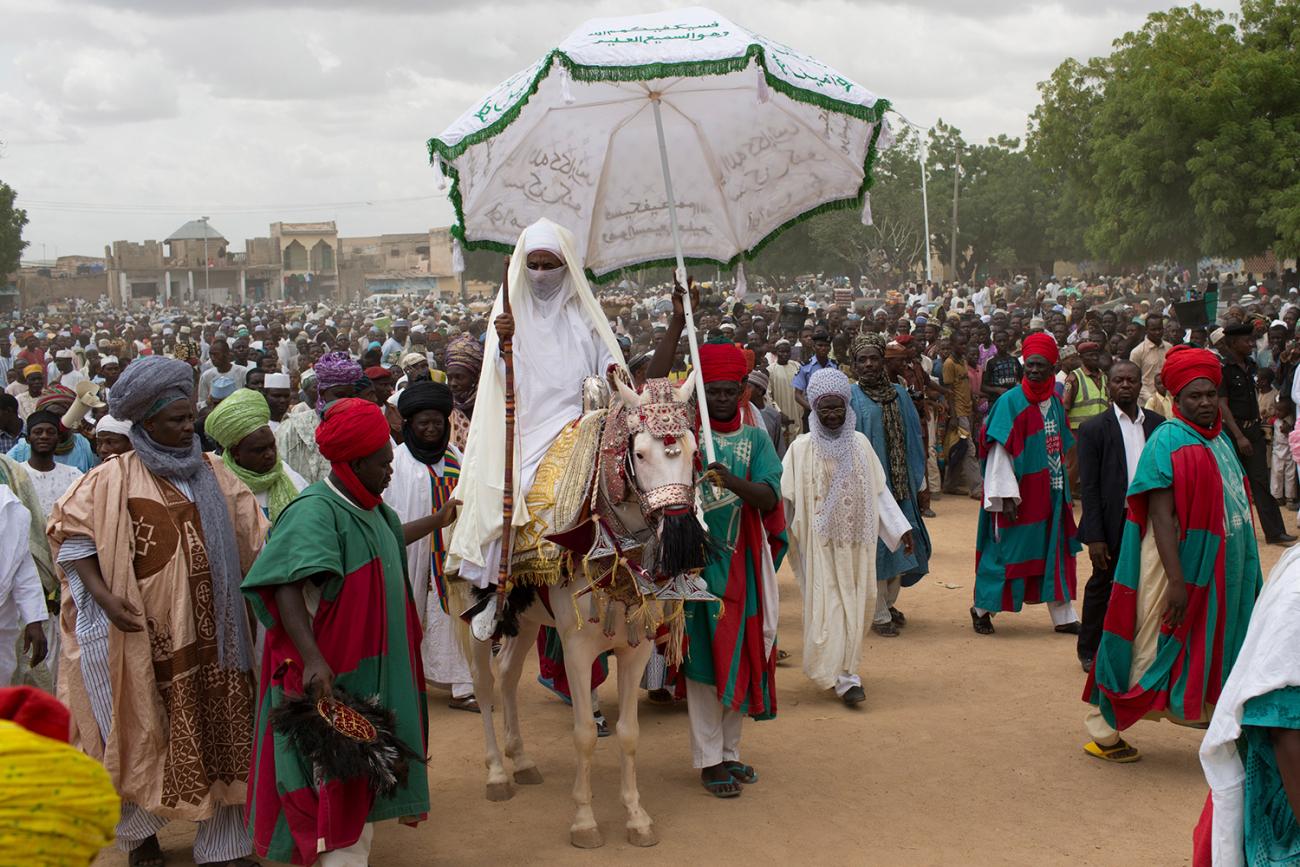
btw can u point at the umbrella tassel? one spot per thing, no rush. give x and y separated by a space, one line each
763 94
741 285
866 209
457 257
442 173
566 90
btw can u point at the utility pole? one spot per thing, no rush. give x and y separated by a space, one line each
207 289
924 155
956 180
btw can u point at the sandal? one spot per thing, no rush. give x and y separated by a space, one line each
661 696
147 854
1120 752
468 703
728 788
983 623
741 772
602 725
897 617
1068 628
782 655
886 629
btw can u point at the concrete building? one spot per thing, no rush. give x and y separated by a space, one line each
295 262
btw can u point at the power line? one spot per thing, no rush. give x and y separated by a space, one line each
162 210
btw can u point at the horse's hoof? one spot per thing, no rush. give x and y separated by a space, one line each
500 791
528 776
642 836
586 838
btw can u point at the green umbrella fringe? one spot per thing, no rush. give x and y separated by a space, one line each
649 72
872 114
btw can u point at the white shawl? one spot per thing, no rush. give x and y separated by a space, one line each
542 402
1268 661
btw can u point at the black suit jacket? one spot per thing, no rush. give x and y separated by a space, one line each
1103 476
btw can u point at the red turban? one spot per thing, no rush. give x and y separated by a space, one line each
35 711
749 359
1041 343
352 429
378 374
1088 346
903 339
1186 363
722 361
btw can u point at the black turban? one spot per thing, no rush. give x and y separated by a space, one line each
416 398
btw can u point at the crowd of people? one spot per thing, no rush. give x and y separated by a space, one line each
333 468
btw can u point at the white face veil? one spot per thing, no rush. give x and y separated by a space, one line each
543 236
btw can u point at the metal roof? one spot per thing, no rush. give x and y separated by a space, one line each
195 230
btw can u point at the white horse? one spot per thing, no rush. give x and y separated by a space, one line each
638 491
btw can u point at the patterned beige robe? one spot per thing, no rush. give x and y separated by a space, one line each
182 726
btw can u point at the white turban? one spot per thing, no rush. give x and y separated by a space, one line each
276 380
542 235
108 424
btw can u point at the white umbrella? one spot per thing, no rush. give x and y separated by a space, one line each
757 136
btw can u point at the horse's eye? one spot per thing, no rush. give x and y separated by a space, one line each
640 456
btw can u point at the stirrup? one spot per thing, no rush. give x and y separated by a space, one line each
484 624
689 588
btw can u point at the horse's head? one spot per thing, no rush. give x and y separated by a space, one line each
661 456
661 445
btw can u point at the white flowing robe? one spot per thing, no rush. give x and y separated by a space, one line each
838 580
22 601
1267 662
557 344
410 495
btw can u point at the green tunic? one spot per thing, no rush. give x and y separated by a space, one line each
1272 836
365 623
726 648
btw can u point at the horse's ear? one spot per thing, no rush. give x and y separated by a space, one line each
686 389
630 397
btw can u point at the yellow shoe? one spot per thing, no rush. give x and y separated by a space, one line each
1120 752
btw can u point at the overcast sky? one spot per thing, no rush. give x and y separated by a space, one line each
124 119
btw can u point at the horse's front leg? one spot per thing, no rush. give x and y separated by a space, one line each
579 653
511 662
480 667
631 667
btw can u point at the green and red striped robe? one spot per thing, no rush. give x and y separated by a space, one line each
1220 561
1030 559
728 650
442 486
367 628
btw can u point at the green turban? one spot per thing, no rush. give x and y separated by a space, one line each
239 415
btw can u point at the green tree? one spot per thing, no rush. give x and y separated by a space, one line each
12 221
1182 142
1059 144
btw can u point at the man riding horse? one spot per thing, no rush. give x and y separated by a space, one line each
561 337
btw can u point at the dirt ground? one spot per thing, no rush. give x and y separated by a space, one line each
968 750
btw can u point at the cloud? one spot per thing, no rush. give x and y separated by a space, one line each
98 84
179 108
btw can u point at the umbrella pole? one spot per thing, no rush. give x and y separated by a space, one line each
706 430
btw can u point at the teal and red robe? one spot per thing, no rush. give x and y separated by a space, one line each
366 625
1182 669
1030 559
726 647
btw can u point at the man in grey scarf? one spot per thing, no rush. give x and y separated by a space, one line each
154 544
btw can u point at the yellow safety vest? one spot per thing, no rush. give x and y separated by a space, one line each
1090 399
